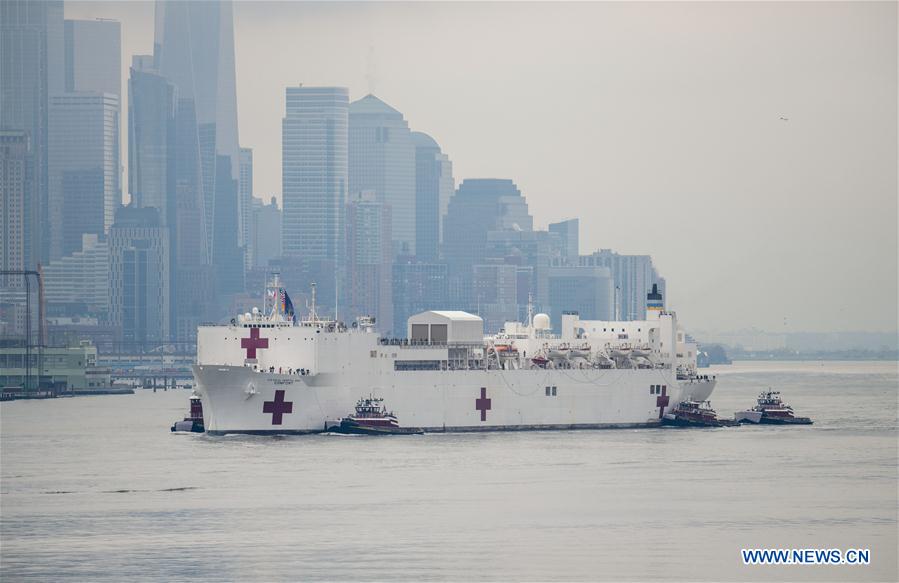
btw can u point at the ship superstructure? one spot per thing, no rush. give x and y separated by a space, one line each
271 372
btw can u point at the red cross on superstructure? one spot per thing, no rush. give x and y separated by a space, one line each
662 401
253 342
483 404
278 407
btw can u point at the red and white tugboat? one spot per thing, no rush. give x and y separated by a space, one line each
193 423
372 418
692 414
771 410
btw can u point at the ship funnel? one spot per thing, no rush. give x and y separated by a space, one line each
654 300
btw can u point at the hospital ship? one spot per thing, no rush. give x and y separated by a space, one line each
272 372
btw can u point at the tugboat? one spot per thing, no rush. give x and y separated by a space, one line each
193 423
372 418
692 414
771 410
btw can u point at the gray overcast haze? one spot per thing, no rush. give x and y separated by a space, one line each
657 124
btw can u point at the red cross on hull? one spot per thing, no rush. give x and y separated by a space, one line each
253 342
483 404
662 401
278 407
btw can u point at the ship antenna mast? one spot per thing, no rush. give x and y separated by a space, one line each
617 306
276 304
265 295
312 310
530 310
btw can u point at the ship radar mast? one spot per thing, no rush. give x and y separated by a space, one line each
530 310
272 289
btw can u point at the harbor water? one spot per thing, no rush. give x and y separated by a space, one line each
97 488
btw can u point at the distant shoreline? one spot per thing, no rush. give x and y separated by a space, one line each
813 358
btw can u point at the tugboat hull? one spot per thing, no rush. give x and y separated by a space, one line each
187 427
785 421
677 421
348 427
748 417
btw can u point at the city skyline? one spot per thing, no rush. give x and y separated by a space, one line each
679 137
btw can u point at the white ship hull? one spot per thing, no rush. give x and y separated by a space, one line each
237 399
698 390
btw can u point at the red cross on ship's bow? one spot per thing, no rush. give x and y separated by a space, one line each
278 407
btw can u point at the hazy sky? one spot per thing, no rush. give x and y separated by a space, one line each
658 124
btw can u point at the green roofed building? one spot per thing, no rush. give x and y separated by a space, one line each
67 368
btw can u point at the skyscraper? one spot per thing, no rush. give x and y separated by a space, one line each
495 288
417 287
93 66
83 168
314 189
245 198
93 56
434 186
14 184
533 252
568 235
266 230
80 281
194 50
151 116
139 276
165 174
314 172
369 259
478 207
31 69
585 290
382 160
633 276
